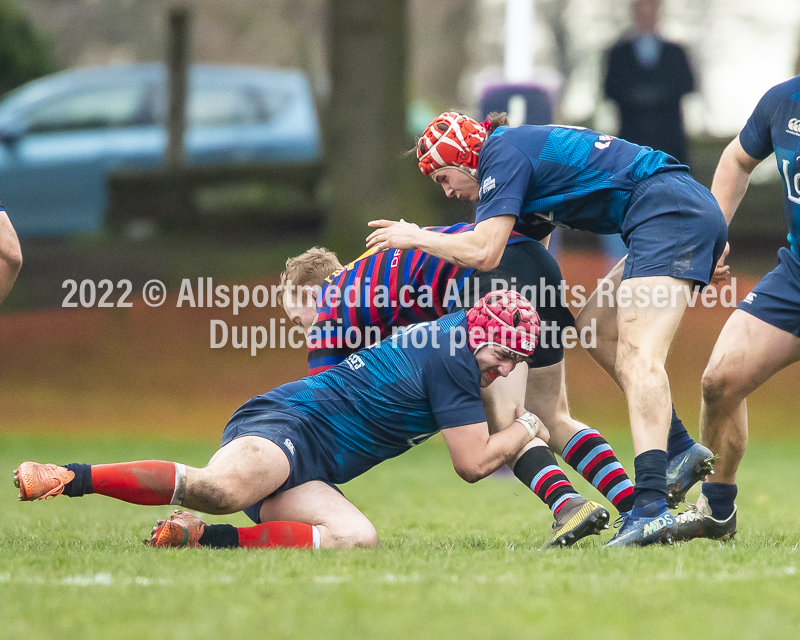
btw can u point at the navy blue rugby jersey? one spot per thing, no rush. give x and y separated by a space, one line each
775 126
380 402
563 176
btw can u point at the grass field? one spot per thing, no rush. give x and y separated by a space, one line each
455 560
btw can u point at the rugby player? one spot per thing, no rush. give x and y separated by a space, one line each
531 178
762 335
344 308
283 452
10 254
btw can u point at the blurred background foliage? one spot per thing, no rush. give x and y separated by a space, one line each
25 51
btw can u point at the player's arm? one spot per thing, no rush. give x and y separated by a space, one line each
479 249
476 454
10 254
732 177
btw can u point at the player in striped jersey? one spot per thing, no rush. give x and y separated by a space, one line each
381 292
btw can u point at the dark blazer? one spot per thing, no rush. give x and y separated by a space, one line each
649 99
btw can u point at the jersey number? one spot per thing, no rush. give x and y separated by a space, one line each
792 184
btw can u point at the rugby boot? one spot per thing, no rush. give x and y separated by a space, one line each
577 519
697 522
687 469
644 531
183 529
41 481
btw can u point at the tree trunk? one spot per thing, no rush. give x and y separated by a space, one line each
366 120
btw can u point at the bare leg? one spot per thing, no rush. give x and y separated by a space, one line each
747 353
601 310
340 523
546 396
501 401
645 335
238 475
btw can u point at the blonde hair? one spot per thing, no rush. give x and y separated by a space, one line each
309 269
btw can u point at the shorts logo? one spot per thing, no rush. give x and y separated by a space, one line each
750 298
793 127
488 185
289 445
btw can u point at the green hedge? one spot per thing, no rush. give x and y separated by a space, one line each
25 53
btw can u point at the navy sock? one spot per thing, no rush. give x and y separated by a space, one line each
650 468
720 498
679 439
82 482
219 536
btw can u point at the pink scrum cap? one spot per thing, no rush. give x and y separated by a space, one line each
506 319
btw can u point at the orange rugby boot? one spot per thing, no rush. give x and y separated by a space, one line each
183 529
41 481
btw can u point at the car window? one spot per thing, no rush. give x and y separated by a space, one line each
223 106
105 108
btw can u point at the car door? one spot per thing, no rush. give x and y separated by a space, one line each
54 175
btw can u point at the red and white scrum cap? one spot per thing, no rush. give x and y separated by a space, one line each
506 319
452 140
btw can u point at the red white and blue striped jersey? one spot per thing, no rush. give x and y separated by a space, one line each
360 304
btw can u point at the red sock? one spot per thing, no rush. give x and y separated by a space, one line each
277 534
150 482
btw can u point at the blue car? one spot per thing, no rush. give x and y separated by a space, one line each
62 135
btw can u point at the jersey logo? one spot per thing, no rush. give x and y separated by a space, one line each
289 445
354 361
603 142
750 298
793 127
488 185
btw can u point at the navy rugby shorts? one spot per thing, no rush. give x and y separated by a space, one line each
307 459
673 227
530 269
776 298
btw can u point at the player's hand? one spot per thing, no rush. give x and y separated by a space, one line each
392 234
722 272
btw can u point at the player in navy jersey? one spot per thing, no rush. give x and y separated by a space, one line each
531 178
10 254
283 452
762 335
343 308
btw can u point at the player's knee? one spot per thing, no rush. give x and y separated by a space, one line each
633 367
717 385
213 494
367 536
349 535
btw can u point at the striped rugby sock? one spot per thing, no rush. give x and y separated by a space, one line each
591 456
537 468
